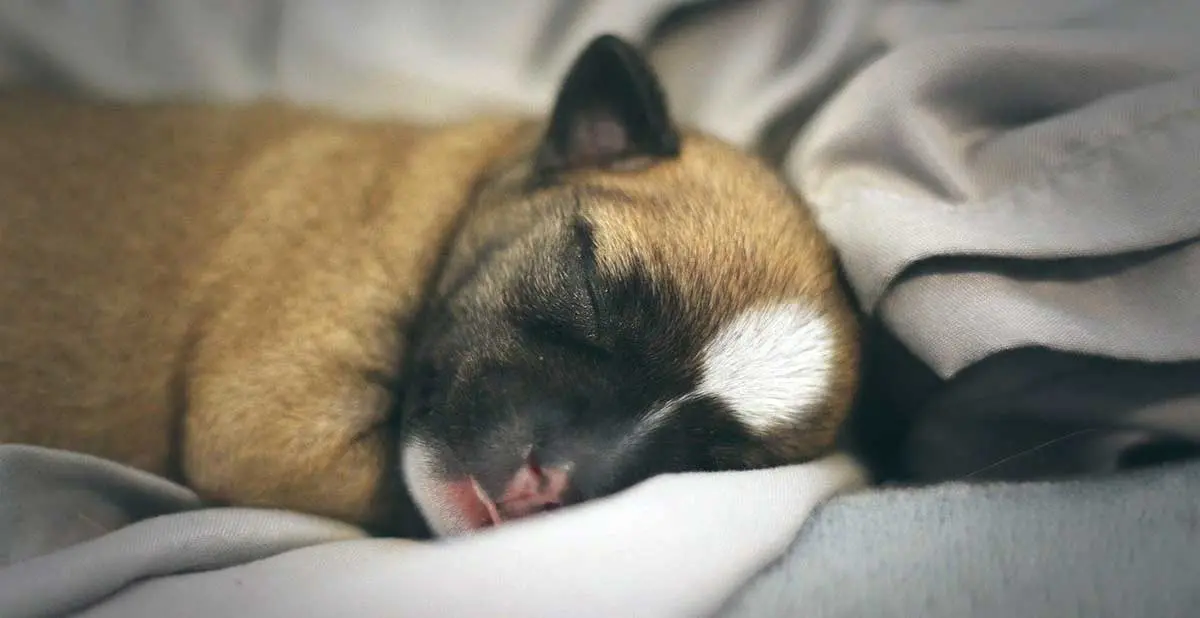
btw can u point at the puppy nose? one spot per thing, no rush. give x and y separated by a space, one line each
533 489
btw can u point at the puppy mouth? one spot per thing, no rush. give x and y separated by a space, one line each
488 504
470 503
461 504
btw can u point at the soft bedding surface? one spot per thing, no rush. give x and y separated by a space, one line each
1012 188
91 537
1099 548
76 530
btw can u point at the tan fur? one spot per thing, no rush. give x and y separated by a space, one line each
257 267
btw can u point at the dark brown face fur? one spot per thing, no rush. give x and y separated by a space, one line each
583 296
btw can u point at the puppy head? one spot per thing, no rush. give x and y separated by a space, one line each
622 300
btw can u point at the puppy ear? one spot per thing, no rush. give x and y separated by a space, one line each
610 110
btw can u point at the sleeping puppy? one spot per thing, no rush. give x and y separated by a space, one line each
416 329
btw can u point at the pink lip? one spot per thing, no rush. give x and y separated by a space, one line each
489 506
472 503
531 491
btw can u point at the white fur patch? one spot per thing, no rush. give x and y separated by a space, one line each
770 365
416 464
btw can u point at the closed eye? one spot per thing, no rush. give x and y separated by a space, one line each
570 316
566 334
586 242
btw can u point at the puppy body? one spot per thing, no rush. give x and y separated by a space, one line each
284 308
253 267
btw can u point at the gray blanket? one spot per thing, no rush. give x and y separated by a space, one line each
1114 549
1119 548
1012 188
85 535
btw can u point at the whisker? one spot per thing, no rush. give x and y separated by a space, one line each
1029 451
